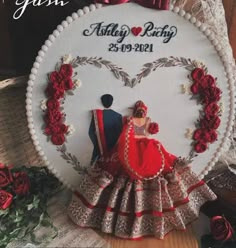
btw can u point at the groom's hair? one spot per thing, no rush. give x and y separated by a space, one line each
107 100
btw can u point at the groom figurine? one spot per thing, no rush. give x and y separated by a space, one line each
105 128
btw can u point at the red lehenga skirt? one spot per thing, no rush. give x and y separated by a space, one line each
114 200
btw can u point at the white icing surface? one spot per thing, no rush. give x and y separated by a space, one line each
161 90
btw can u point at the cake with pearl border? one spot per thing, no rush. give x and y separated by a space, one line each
156 56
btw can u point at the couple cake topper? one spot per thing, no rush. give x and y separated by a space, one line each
145 190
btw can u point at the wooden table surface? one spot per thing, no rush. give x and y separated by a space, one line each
180 239
172 240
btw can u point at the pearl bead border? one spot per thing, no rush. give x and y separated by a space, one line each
81 12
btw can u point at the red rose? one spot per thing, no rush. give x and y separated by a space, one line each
53 104
213 123
153 128
68 84
47 131
197 74
221 229
52 88
56 90
212 136
208 81
5 175
57 128
200 147
211 110
53 116
21 184
55 77
58 139
63 128
201 135
66 70
195 88
211 94
5 199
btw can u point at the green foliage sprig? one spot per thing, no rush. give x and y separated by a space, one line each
24 196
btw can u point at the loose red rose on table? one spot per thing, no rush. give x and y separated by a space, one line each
21 183
5 199
153 128
221 229
5 176
197 74
58 139
200 147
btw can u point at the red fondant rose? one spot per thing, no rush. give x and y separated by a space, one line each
57 128
47 131
55 90
195 88
221 229
153 128
211 110
5 176
5 199
21 184
53 104
66 70
213 123
208 81
212 94
58 139
201 135
68 84
200 147
212 136
197 74
55 77
53 116
64 128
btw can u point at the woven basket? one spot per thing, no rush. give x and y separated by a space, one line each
16 146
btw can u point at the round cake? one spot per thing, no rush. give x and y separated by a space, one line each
167 59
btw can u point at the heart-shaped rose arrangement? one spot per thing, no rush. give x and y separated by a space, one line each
203 89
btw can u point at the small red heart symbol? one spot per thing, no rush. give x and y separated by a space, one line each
136 30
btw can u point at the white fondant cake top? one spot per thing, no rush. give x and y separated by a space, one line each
129 44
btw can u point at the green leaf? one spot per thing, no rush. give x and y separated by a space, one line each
46 223
30 206
16 231
4 212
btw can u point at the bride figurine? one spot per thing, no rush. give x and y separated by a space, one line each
144 191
